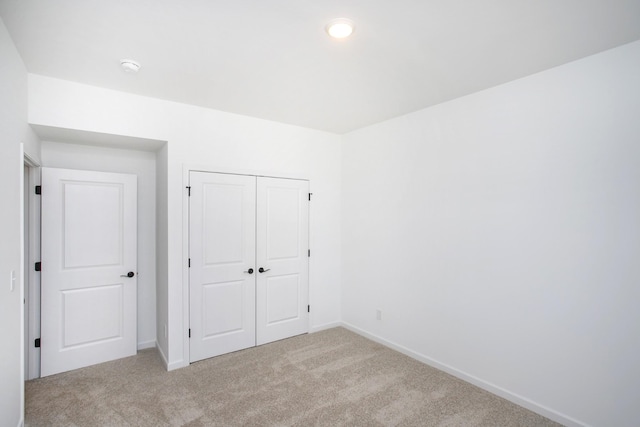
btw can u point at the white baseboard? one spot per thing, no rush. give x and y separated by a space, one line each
324 326
146 344
173 365
162 355
170 366
177 365
492 388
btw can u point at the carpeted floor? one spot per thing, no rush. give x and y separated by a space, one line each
330 378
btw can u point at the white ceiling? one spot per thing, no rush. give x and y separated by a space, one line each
272 59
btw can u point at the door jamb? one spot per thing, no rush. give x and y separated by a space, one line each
31 239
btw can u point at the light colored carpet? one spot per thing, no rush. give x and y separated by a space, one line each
330 378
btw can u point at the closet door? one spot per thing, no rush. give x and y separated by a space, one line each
222 255
282 282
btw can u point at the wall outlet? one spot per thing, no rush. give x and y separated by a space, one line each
12 281
378 314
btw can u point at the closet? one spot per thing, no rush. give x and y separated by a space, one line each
249 265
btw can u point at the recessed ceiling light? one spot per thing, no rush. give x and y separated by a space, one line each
130 66
340 28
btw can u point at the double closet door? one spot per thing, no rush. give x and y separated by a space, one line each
249 266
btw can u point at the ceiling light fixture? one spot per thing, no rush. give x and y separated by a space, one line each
129 66
340 28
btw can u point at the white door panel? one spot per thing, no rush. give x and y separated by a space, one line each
283 298
92 314
223 307
282 251
222 250
92 219
89 240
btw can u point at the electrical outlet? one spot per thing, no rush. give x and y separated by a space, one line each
378 314
12 281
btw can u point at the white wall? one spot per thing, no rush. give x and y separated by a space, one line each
499 235
220 140
13 123
142 164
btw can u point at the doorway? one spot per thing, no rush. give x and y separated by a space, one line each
139 160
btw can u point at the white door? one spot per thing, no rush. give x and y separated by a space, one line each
237 225
222 258
89 262
282 259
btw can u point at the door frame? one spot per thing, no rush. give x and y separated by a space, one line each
186 169
31 242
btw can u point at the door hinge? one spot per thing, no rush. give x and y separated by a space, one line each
38 189
189 332
309 253
308 309
189 262
37 343
310 196
189 190
38 266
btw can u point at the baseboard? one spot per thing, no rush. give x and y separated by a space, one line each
169 366
146 344
162 356
492 388
324 327
176 365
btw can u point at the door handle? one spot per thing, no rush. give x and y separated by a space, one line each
250 271
129 274
262 270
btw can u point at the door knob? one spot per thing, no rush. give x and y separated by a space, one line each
250 271
129 274
262 270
